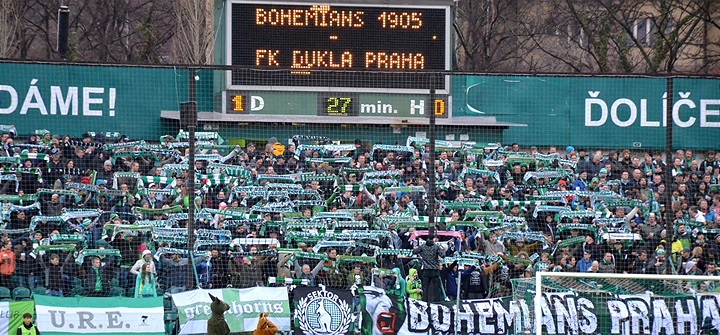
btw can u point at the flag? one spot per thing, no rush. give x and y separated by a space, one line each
88 315
11 315
245 308
320 311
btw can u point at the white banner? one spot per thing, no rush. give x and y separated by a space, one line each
81 315
245 307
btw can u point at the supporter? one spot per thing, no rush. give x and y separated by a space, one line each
413 284
176 272
244 272
54 273
491 246
659 265
583 265
450 275
25 265
305 273
53 207
431 280
145 286
145 259
97 277
7 264
607 264
219 263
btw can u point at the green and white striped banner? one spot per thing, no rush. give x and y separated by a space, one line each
11 313
245 306
83 315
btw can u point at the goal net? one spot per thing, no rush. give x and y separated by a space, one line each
602 303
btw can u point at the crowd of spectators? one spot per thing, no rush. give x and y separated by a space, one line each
100 215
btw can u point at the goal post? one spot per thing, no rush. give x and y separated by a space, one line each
614 303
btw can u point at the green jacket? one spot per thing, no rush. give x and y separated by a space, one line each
413 285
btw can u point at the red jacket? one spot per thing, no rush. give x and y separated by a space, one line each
7 262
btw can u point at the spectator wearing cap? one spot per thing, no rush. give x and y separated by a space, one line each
569 150
562 184
145 259
685 256
659 263
691 269
594 185
106 173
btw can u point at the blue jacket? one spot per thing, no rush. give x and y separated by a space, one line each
451 287
583 266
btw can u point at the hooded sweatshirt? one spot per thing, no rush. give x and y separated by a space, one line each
413 285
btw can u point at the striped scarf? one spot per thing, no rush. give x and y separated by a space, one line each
201 135
398 148
123 145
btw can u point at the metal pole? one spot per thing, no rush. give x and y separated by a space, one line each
669 215
431 165
457 300
537 303
191 181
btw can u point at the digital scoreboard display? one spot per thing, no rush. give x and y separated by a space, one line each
402 45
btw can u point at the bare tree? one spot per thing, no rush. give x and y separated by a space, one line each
631 36
10 25
487 35
122 31
194 39
106 31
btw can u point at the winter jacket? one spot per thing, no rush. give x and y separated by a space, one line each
413 285
7 262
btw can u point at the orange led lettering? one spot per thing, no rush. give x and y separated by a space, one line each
439 107
402 20
309 59
238 100
398 61
269 55
317 16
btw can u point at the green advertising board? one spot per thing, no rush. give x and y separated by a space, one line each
594 111
73 99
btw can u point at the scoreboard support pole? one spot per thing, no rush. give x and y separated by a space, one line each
431 167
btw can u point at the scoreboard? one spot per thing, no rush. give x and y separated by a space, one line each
402 46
